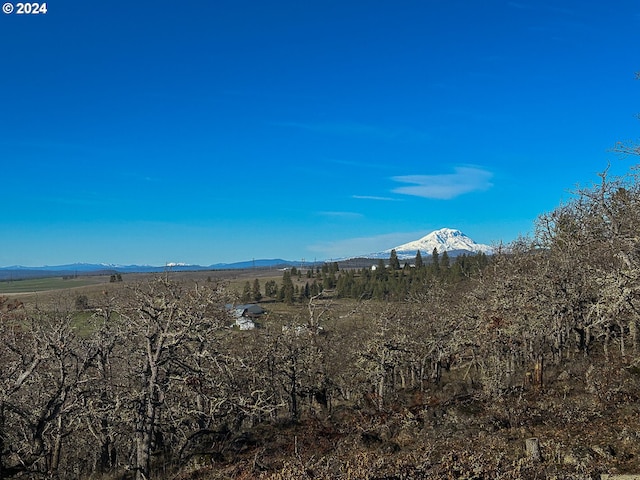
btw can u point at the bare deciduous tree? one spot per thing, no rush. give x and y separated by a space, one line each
168 330
44 366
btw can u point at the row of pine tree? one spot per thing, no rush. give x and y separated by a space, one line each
390 280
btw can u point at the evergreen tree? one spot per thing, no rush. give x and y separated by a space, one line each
246 292
329 281
435 261
271 289
287 290
458 269
381 269
418 262
257 296
314 289
444 261
394 263
483 261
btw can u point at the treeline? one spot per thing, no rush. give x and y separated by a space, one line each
391 280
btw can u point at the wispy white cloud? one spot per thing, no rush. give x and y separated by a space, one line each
446 186
373 197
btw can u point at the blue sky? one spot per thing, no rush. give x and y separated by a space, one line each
205 132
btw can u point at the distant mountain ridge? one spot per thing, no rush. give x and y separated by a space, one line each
454 242
18 272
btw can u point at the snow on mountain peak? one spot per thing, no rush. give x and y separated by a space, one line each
445 239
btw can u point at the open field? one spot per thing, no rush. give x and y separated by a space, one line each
59 293
51 283
98 283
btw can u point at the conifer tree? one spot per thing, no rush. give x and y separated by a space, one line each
314 289
287 290
271 288
435 261
246 292
444 261
257 296
418 262
394 263
381 269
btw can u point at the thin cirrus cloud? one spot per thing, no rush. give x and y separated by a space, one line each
446 186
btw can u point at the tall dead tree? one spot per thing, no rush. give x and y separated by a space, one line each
168 328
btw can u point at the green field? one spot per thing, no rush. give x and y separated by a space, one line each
45 284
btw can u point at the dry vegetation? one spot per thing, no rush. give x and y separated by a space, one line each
527 368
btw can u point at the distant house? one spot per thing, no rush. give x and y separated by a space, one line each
245 323
245 314
249 310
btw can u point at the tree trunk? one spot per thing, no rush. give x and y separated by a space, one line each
538 370
147 422
559 343
294 392
144 438
57 448
623 351
380 393
436 371
510 369
587 340
532 446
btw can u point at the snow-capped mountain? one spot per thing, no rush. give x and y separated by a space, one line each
449 240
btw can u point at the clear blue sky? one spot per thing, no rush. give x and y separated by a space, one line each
219 131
